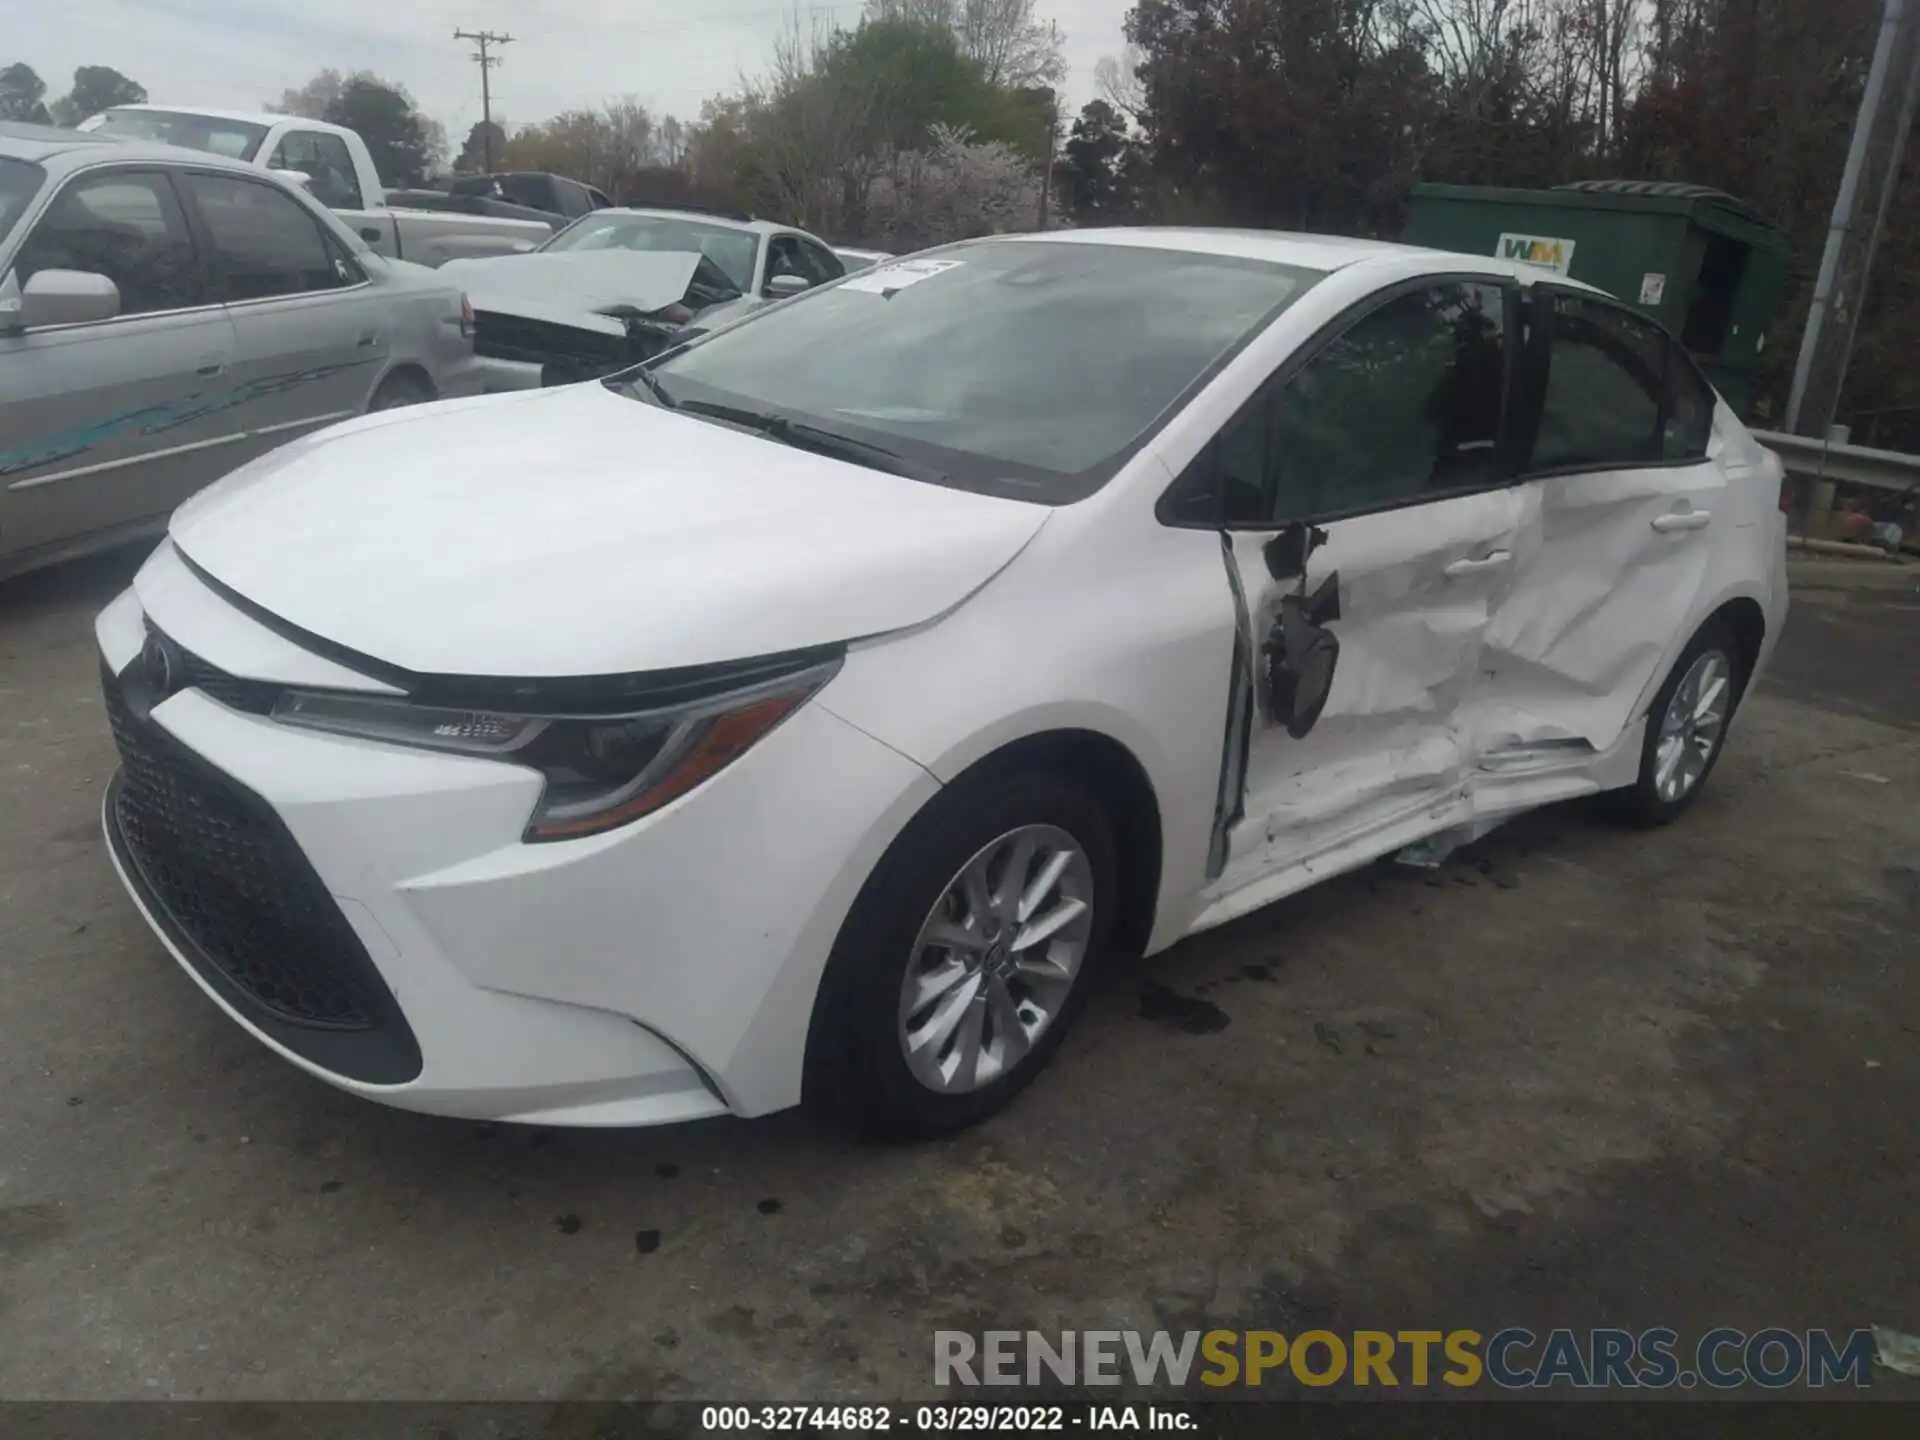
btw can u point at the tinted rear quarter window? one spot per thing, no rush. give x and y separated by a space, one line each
1606 389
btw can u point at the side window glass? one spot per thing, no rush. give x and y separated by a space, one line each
1690 404
1406 402
127 226
783 257
326 163
822 264
263 242
1606 384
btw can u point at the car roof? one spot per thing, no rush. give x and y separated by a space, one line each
242 117
731 222
22 141
65 151
1325 253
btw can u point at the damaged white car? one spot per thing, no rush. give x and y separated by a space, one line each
853 681
622 285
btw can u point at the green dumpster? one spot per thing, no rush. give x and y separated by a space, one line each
1707 266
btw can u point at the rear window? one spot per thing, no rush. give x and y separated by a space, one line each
235 139
19 183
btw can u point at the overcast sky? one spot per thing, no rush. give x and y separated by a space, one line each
670 54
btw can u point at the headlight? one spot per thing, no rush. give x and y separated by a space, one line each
601 771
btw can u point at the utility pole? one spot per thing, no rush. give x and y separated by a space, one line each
1859 212
484 38
1050 104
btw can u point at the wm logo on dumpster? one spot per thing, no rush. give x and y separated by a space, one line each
1542 250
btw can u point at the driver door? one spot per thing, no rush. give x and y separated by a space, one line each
112 423
1379 449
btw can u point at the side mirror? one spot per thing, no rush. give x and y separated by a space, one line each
1288 552
1302 655
298 178
67 297
785 287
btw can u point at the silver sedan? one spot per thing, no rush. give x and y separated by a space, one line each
165 316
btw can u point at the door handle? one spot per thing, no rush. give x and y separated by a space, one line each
369 233
369 339
211 368
1683 520
1494 561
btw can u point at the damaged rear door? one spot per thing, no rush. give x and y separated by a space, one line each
1368 529
1622 491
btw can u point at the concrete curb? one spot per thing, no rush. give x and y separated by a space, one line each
1811 573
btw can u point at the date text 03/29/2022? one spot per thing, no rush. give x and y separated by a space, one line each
939 1419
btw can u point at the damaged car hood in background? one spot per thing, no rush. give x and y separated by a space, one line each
577 532
577 287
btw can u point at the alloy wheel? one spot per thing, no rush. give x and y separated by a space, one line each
996 959
1692 727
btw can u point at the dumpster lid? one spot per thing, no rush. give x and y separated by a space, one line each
1671 190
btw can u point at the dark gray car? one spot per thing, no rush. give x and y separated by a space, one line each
166 316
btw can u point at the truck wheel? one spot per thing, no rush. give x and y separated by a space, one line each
403 387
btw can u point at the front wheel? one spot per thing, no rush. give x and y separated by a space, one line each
1686 729
966 957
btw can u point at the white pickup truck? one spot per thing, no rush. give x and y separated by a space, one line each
334 165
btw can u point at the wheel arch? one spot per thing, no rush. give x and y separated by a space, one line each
1118 780
1748 622
403 370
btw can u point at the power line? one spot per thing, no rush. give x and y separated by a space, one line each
484 38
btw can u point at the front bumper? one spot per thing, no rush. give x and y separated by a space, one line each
663 972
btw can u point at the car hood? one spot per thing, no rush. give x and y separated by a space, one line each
576 532
576 287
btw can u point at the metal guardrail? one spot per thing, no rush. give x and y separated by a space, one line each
1850 464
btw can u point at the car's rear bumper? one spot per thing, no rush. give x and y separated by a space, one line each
496 376
661 972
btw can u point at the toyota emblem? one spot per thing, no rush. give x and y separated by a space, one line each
160 666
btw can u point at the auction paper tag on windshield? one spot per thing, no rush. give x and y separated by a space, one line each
892 275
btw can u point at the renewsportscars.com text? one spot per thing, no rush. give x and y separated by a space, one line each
1513 1358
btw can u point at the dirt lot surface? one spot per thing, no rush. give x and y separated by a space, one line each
1579 1076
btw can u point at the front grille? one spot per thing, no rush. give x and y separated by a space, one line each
255 696
562 349
233 889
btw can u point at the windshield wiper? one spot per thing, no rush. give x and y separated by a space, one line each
651 383
862 452
802 436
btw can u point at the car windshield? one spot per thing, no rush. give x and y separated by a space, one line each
1030 369
235 139
731 249
19 182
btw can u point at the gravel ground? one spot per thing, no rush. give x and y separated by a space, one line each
1579 1076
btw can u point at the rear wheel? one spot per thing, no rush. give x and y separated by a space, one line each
966 957
1686 729
403 387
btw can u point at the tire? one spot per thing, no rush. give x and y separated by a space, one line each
858 1068
1652 800
403 387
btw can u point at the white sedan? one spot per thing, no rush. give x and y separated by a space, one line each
809 713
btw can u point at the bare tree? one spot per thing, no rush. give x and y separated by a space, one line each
1017 49
1117 78
312 100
